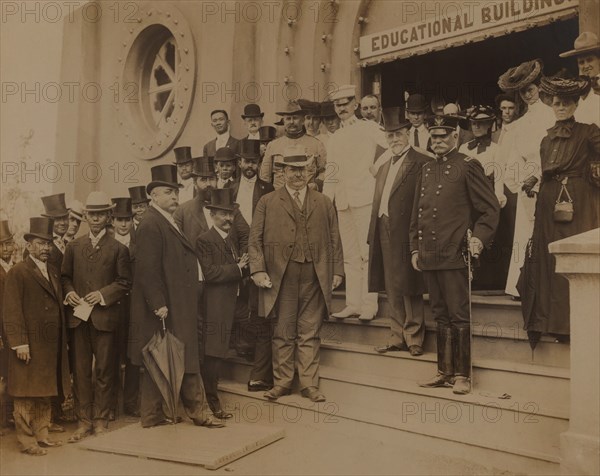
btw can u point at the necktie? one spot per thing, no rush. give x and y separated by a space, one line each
482 143
297 199
416 137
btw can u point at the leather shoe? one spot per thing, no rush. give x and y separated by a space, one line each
222 414
35 451
80 434
259 385
208 423
344 313
313 394
49 443
276 392
440 380
382 349
415 350
462 385
55 428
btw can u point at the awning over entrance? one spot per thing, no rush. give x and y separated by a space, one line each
460 23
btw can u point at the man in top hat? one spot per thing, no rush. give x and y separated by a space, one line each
96 275
7 248
451 190
219 120
56 208
296 261
185 166
139 204
370 108
38 368
224 264
295 134
75 219
352 150
390 269
416 110
225 164
330 120
167 288
587 52
266 135
253 119
312 118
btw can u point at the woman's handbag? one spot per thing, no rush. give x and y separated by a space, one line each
563 210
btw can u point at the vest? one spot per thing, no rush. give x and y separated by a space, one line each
301 252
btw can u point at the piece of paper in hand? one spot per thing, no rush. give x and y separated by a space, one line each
83 311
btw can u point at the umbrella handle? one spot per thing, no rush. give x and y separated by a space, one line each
164 328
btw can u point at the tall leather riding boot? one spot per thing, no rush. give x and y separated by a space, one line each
462 360
445 370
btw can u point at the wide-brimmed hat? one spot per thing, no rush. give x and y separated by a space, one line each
163 176
5 234
55 206
224 154
183 155
416 103
585 43
394 119
346 91
562 86
481 113
222 199
40 227
122 207
327 109
294 156
267 133
520 76
311 108
138 195
442 122
291 108
76 208
98 202
203 167
252 110
249 149
279 122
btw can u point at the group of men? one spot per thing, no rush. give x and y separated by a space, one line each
240 249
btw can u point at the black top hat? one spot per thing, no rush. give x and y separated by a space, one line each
5 234
520 76
224 154
55 206
416 103
138 195
394 119
327 109
203 167
443 122
267 133
222 199
183 155
163 176
250 149
122 207
40 227
252 110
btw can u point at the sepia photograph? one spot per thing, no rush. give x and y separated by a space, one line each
300 237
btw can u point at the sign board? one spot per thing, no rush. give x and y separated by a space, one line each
456 19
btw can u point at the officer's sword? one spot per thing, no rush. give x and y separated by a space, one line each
470 268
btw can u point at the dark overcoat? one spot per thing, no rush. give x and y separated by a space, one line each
166 274
222 282
210 148
4 348
105 268
272 238
407 281
33 314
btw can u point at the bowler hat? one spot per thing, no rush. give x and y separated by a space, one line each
98 202
5 234
203 167
346 91
394 119
252 110
163 176
327 109
222 199
138 195
267 133
292 107
520 76
122 207
295 156
442 122
54 206
416 103
585 43
224 154
183 155
249 149
40 227
76 208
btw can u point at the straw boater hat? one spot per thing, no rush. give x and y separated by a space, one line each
294 156
585 43
222 199
163 176
520 76
98 202
394 119
40 227
122 207
252 110
5 234
76 208
55 206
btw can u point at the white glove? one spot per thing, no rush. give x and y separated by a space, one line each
475 247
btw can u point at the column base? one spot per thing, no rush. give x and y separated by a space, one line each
579 453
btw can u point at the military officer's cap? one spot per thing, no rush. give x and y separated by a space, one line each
442 124
343 94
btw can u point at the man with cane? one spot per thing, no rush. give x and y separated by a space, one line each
452 196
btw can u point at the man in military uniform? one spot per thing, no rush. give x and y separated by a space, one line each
450 191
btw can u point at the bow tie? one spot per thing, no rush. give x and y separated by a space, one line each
562 129
481 143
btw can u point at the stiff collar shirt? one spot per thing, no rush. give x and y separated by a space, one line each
59 242
301 194
42 266
422 134
255 136
97 238
123 239
223 183
244 197
393 172
6 267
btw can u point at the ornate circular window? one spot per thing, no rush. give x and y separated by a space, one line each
156 81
